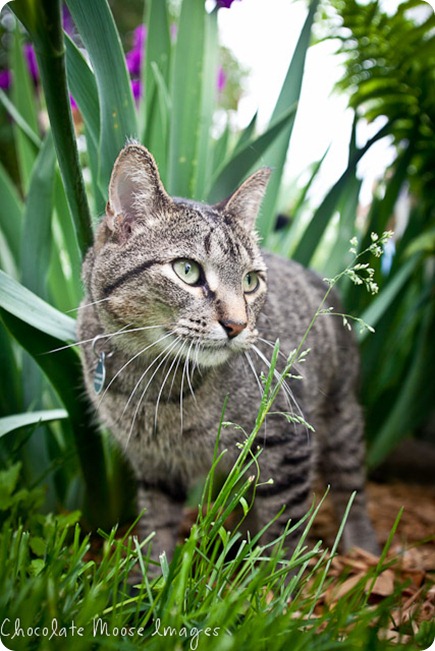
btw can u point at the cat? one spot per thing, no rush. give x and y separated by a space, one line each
181 310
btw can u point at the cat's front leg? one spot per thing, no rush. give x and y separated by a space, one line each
162 517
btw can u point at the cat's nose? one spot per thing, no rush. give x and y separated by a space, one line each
233 328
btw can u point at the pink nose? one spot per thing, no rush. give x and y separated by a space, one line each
233 328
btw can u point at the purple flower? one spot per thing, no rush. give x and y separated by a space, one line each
5 79
224 4
135 56
221 79
67 21
136 86
31 62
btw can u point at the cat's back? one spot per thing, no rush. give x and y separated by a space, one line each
297 303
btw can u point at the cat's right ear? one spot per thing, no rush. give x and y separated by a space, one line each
136 192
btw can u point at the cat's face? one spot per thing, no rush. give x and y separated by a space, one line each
182 278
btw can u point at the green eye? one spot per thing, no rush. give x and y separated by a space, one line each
251 282
188 270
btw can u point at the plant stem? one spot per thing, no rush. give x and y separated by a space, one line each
44 24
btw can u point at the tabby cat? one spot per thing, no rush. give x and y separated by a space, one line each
181 310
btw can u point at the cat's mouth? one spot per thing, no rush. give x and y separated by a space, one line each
207 351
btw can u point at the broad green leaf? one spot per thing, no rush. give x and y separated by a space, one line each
157 58
422 243
288 242
11 214
20 121
221 147
85 93
204 166
96 26
247 134
158 121
276 156
36 237
11 376
237 168
336 257
63 369
415 395
381 304
186 95
24 101
17 421
379 215
318 224
31 309
83 88
66 255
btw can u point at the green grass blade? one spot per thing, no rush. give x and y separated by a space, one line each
96 26
31 309
289 96
186 95
36 238
17 421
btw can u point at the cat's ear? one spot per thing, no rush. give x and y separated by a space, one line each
244 204
135 189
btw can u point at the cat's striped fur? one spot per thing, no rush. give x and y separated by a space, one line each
176 348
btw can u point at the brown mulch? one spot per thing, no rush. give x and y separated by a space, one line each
410 562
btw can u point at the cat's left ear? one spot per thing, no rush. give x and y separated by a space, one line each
135 189
244 204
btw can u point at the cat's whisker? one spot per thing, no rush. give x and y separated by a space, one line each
195 366
83 305
251 364
135 356
166 352
122 331
175 363
163 354
288 393
296 366
89 341
178 356
185 374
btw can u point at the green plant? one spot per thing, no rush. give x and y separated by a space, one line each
389 75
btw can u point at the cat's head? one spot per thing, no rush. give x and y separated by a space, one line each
186 277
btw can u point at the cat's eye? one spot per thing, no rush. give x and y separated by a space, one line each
188 270
251 282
